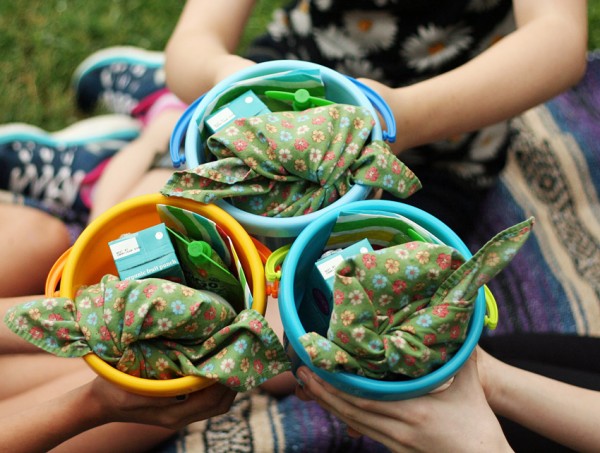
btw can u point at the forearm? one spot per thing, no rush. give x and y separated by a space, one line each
564 413
49 424
203 43
523 69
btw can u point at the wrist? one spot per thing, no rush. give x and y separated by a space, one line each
96 413
491 374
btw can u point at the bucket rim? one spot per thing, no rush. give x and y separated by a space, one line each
279 227
64 269
359 385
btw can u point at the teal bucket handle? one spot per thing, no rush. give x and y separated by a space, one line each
179 131
381 106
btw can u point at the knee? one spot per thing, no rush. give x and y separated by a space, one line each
45 234
31 242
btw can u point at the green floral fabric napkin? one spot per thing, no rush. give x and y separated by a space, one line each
404 310
155 329
292 163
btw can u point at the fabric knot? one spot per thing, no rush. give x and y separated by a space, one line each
290 163
404 310
155 329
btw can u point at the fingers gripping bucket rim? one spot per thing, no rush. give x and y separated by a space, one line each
339 89
138 213
351 383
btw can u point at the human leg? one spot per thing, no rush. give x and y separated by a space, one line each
118 78
48 171
32 240
107 438
55 169
130 172
24 366
23 372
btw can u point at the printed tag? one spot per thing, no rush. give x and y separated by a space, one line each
124 248
219 119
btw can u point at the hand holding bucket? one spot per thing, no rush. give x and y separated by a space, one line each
339 88
90 259
298 262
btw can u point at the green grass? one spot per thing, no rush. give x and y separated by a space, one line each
41 43
594 24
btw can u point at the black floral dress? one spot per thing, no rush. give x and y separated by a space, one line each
400 42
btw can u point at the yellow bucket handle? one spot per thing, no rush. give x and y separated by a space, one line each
491 318
273 269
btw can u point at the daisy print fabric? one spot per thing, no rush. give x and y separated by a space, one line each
403 311
155 329
292 163
394 41
399 43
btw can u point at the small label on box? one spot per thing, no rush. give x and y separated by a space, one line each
124 248
155 271
327 268
328 264
246 105
220 118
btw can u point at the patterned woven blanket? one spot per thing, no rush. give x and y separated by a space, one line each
553 284
553 173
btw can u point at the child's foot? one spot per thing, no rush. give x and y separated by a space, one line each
54 167
118 78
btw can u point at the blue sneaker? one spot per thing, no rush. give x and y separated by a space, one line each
53 168
118 78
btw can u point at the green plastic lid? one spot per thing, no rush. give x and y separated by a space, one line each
199 249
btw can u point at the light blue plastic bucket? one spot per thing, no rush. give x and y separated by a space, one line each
274 231
307 248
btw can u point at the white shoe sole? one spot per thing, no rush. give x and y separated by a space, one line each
102 127
118 54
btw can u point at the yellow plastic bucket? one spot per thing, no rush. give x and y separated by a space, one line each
90 259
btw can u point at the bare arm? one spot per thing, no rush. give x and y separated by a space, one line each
543 57
48 424
200 50
433 422
97 403
564 413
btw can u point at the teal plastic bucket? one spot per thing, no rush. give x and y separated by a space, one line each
274 231
303 253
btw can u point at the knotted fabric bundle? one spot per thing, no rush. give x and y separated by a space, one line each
404 310
292 163
155 329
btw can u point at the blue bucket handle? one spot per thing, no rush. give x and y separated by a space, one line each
179 133
381 106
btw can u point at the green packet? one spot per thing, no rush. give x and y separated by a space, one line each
205 270
194 226
381 228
